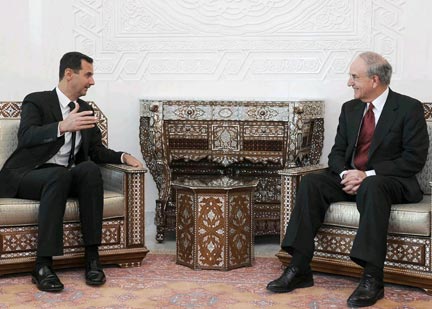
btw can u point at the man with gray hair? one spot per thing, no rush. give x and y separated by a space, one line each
381 144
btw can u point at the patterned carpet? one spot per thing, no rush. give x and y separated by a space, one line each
160 283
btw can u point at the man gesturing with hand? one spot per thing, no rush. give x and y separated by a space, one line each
77 121
59 147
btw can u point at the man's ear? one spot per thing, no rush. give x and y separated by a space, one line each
376 81
68 73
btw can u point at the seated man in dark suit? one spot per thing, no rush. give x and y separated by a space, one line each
59 145
381 144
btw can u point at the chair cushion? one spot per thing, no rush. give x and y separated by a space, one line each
8 138
19 212
405 219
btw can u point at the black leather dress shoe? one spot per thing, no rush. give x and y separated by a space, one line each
46 280
291 279
368 292
94 274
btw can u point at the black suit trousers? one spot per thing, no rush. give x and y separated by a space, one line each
374 199
52 185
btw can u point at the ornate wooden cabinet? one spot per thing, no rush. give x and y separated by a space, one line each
247 139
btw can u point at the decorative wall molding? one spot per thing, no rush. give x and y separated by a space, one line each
235 40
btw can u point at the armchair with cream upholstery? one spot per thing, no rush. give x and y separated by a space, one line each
409 245
123 216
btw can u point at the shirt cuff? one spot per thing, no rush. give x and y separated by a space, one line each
122 157
58 130
370 173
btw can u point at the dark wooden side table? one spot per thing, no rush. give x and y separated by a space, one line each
214 222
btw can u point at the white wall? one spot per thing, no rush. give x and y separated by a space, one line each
223 49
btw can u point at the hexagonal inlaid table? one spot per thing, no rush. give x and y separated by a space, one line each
214 222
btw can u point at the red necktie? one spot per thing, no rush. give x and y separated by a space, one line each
364 139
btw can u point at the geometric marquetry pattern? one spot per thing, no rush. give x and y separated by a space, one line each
22 241
214 226
427 110
72 237
326 241
110 235
135 208
240 220
410 253
265 192
266 218
14 241
185 228
402 252
317 142
225 137
102 123
288 192
211 232
10 109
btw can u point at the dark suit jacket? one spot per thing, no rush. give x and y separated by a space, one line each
38 141
399 146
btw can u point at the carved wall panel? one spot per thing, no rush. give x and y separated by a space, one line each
234 40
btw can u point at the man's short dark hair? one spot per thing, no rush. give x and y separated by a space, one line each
72 60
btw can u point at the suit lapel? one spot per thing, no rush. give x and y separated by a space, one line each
385 122
84 133
80 102
354 119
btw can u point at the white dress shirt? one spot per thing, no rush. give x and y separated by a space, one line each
62 156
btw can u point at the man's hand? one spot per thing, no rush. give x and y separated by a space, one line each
132 161
77 121
352 180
